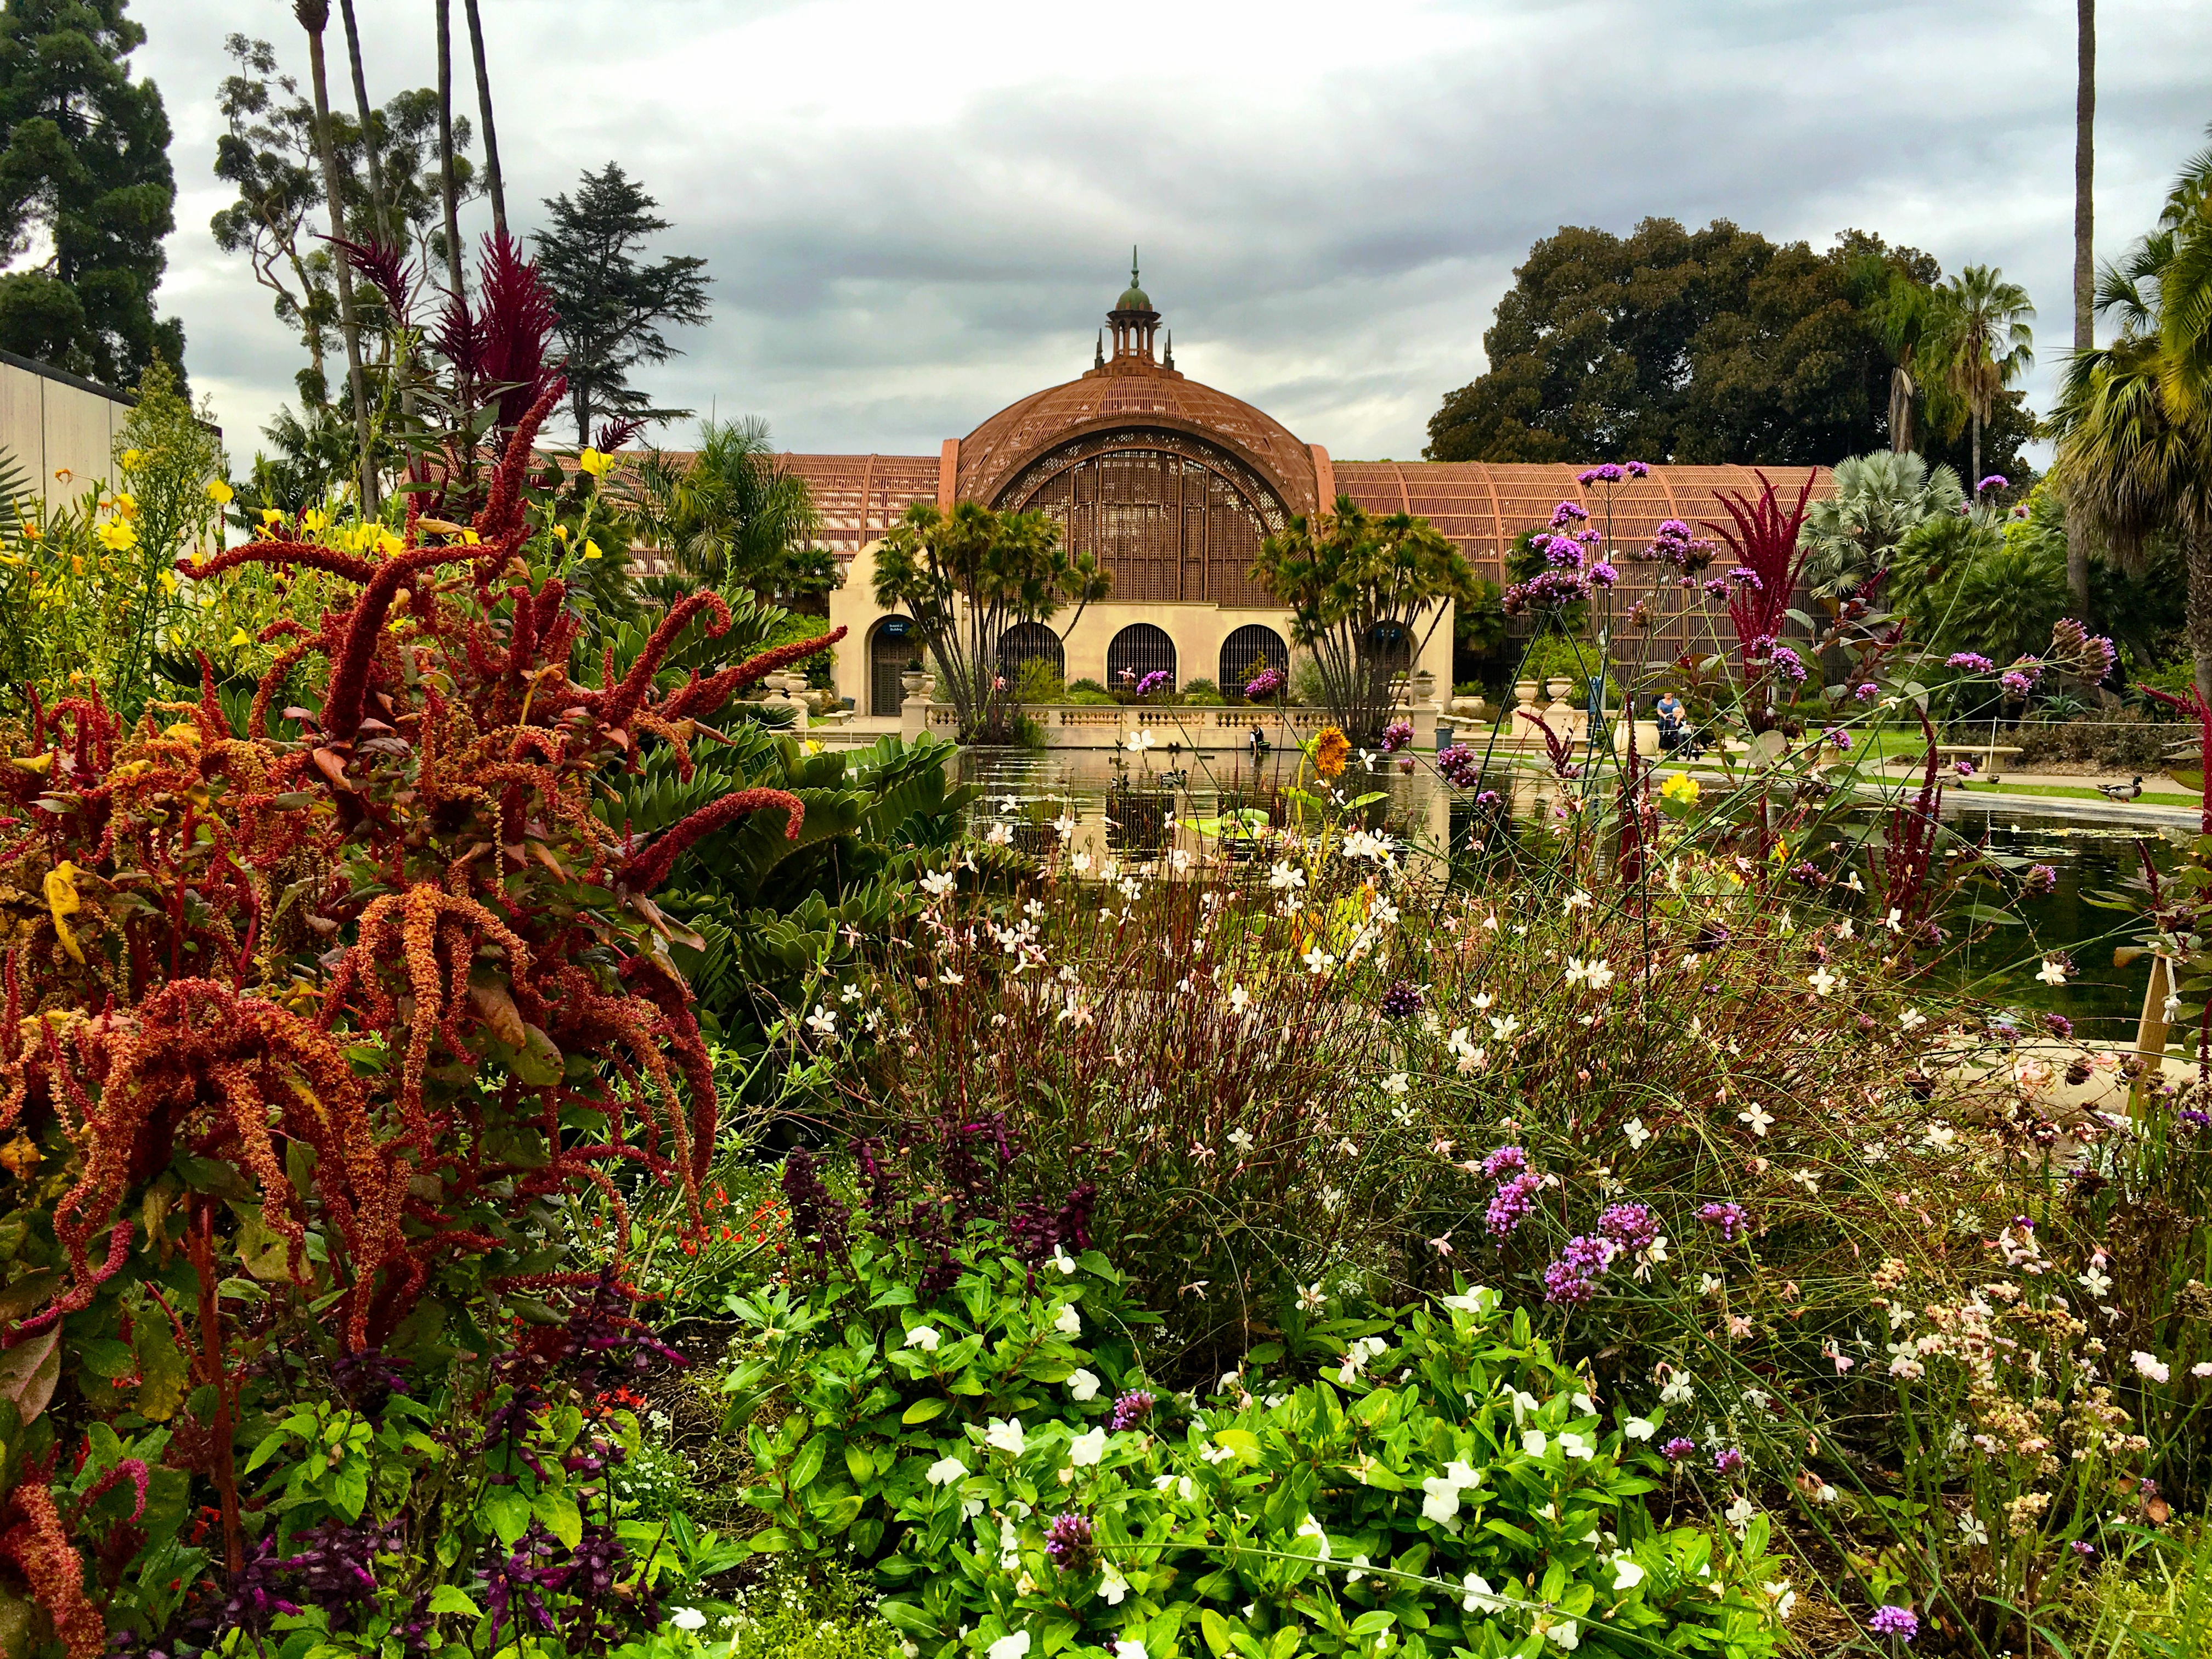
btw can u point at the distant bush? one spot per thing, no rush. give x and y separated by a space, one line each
2109 737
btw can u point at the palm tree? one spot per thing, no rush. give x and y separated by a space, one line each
2134 419
1903 312
2085 261
729 513
1986 343
314 17
491 137
448 183
1878 498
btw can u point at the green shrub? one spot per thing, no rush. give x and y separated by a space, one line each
1203 694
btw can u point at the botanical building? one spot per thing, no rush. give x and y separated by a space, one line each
1173 484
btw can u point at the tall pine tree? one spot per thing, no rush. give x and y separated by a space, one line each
85 189
612 305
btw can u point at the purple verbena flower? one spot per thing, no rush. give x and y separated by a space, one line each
1972 661
2042 880
1867 691
1567 513
1788 664
1573 1277
1602 574
1994 481
2058 1025
1131 1409
1841 739
1402 1001
1728 1461
2016 684
1264 684
1506 1161
1730 1217
1900 1622
1678 1448
1069 1542
1460 766
1966 766
1631 1226
1638 469
1397 735
1510 1205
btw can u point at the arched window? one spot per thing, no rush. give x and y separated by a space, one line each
1137 650
893 644
1028 643
1392 644
1246 652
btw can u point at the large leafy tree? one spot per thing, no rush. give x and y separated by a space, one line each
1697 346
1361 590
965 577
387 171
85 185
614 306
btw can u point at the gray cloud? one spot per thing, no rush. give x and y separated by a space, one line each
916 215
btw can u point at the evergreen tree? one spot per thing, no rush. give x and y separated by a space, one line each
613 307
85 182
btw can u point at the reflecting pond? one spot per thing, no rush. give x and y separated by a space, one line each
2087 849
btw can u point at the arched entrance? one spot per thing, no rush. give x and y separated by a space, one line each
1137 650
1028 643
892 646
1392 644
1246 652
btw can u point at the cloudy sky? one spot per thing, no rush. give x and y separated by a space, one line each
916 214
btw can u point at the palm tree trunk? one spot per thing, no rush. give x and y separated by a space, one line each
314 17
2197 556
2085 266
1975 420
367 123
447 184
490 136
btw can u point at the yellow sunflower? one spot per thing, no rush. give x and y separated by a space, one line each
1331 749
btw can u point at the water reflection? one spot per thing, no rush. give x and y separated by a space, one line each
2088 855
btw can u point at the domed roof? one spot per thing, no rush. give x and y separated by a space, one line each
1135 392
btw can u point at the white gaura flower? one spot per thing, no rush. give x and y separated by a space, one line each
1894 922
1626 1575
822 1022
1130 1648
1738 1515
1318 961
1503 1029
1083 1386
1395 1085
1068 1321
2051 972
1637 1133
1844 929
923 1337
1084 1450
1242 1141
1823 981
1911 1020
1141 739
1285 876
1779 1593
2096 1281
1757 1117
1006 1436
947 1470
1239 998
687 1619
1938 1135
1679 1390
1079 862
1310 1528
1566 1635
938 882
1477 1596
1972 1531
1016 1646
1577 900
999 835
1310 1300
1638 1428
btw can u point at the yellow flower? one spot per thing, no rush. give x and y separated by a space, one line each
592 462
218 492
387 544
62 475
126 504
117 537
239 636
29 532
271 516
132 459
561 532
592 549
168 582
1680 788
1331 749
314 518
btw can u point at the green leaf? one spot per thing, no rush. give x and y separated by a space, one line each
452 1598
561 1516
808 1463
509 1512
774 1539
926 1411
1215 1629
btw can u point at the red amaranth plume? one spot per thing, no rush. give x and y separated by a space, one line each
614 434
1765 542
385 267
650 868
40 1550
516 320
699 699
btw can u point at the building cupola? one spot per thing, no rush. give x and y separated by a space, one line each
1132 321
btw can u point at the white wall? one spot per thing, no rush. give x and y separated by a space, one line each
54 422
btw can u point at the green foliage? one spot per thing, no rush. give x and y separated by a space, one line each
1477 1504
730 515
1969 584
84 156
612 305
1347 579
966 577
1878 498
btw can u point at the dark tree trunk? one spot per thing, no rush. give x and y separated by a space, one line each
2085 266
314 17
448 186
384 227
2197 553
490 134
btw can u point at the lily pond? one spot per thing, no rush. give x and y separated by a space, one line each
2088 849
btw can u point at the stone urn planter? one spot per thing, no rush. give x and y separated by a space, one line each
1425 686
1557 689
1524 692
911 681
